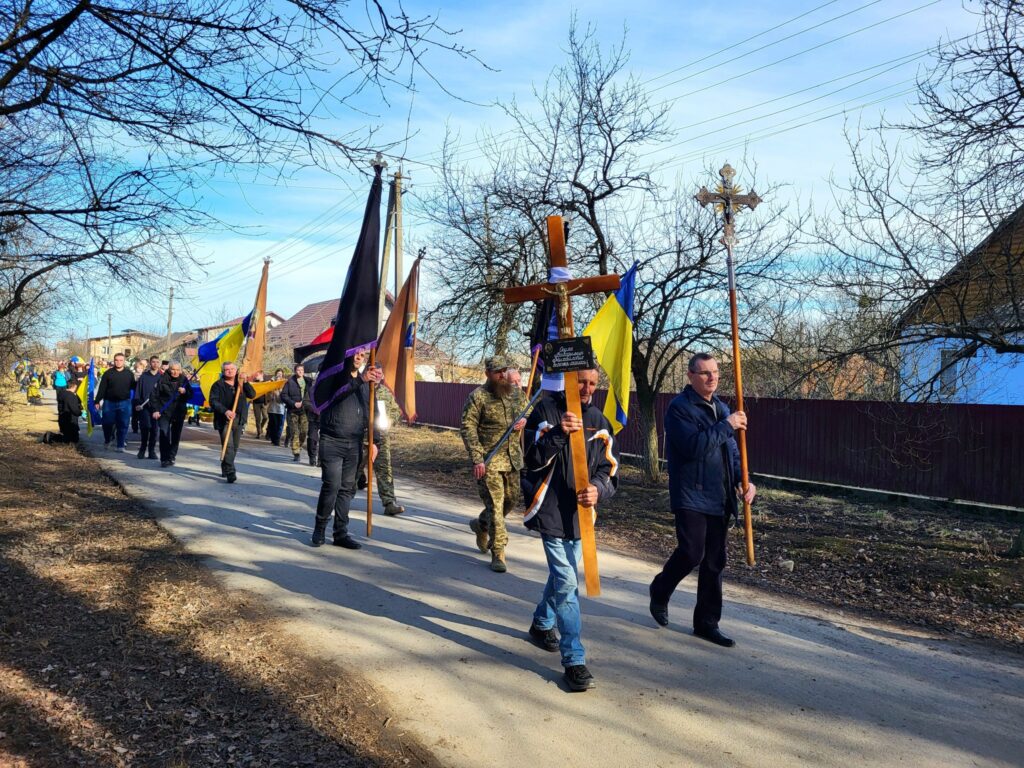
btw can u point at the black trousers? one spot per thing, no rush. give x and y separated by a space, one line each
313 442
275 423
148 427
227 464
701 542
69 429
170 436
339 462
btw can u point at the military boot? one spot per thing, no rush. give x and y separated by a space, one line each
498 561
483 538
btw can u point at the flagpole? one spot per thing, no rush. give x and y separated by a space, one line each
254 317
369 449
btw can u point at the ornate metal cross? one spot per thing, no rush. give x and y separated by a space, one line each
728 199
562 288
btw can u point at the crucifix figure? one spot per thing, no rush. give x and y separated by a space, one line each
728 200
562 288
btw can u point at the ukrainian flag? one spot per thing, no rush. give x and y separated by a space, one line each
213 354
86 391
611 335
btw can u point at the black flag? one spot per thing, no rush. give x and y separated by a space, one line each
355 328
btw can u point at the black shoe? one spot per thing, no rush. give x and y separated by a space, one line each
165 463
361 482
714 636
173 461
312 462
231 477
296 457
141 454
152 455
318 536
579 678
347 542
544 638
658 610
46 438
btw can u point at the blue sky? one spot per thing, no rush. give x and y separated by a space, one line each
733 76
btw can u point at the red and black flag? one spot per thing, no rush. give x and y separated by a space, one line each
355 328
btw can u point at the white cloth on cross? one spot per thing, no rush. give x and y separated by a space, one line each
555 382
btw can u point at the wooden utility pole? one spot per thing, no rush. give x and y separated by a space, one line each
170 316
110 351
398 231
728 200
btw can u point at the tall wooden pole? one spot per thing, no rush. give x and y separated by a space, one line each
372 408
170 317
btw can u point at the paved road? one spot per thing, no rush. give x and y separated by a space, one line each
420 615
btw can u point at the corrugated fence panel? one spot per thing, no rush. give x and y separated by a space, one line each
970 452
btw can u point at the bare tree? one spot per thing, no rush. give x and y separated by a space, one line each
112 114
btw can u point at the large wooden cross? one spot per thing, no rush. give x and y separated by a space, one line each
562 290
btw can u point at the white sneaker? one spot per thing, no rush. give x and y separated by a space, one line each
122 450
106 446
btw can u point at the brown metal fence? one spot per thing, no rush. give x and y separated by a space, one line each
969 452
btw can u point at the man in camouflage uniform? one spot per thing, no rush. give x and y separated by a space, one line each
382 466
488 412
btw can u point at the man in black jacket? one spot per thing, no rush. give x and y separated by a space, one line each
549 485
114 397
69 411
144 387
292 395
703 480
168 405
343 426
223 395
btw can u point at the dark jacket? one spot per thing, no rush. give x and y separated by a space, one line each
145 387
547 481
115 385
291 395
69 405
702 455
167 401
222 399
307 405
347 417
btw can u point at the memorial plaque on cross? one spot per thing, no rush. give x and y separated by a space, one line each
562 288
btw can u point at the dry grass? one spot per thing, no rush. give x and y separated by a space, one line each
117 649
938 567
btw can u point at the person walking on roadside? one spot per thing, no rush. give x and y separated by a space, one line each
275 411
61 376
292 395
223 395
704 483
114 398
343 427
487 414
168 406
550 486
313 426
145 385
138 368
259 410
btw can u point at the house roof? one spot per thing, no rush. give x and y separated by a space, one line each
124 332
985 281
309 322
236 321
180 339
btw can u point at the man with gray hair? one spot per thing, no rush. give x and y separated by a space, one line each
704 483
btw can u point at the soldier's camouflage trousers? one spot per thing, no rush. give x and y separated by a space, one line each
499 491
382 471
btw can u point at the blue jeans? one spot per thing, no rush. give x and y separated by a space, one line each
116 415
561 601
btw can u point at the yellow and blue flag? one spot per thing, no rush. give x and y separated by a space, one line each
214 353
86 393
611 335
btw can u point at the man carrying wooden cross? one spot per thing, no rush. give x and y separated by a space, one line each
549 485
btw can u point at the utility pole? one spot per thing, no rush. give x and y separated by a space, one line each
398 231
109 334
170 315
